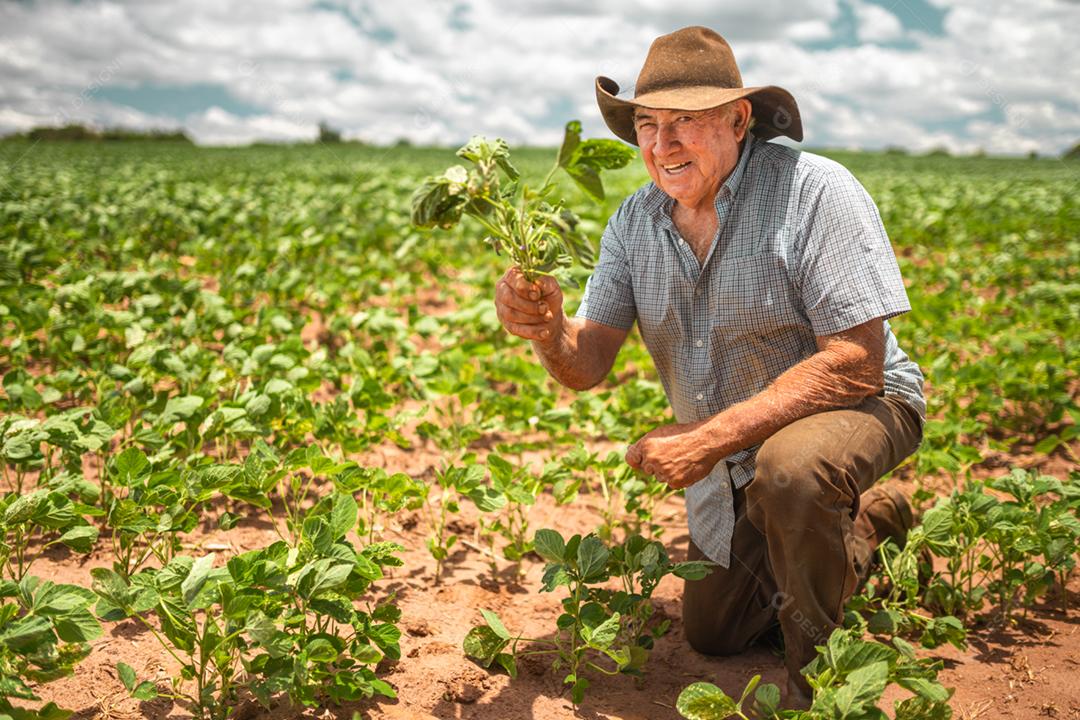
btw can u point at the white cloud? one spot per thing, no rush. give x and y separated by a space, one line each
219 127
875 24
1003 76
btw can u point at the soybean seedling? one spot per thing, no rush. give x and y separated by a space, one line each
538 233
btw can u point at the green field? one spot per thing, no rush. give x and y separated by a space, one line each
208 337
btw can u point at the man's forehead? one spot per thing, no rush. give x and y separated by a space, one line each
640 113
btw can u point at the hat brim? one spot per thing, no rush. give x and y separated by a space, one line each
774 109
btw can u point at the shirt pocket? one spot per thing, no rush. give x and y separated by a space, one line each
663 297
754 294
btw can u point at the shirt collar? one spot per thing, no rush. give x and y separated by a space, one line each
659 204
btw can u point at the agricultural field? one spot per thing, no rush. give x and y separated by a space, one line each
267 453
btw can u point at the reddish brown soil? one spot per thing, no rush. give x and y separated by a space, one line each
1028 670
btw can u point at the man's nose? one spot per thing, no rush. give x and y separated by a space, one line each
666 139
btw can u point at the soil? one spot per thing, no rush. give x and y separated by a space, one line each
1028 669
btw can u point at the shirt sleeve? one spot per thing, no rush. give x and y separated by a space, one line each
609 292
846 272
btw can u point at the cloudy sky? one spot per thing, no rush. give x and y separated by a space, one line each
972 74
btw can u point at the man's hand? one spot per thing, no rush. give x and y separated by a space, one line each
530 310
675 454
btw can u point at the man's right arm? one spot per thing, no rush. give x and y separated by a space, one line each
577 352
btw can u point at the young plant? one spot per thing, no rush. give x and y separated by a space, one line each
601 629
538 234
1011 551
848 678
282 619
380 494
520 487
148 509
31 523
44 632
455 482
891 601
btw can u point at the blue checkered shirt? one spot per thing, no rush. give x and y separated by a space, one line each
800 252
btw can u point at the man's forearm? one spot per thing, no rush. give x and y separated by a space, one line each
827 380
570 361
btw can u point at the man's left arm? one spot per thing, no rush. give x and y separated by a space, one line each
848 367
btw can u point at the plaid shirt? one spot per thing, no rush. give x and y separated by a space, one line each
800 252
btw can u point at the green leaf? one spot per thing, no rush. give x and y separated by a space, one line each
571 140
195 579
693 570
343 515
487 499
603 154
483 644
508 663
495 624
130 464
126 674
262 630
577 692
924 688
592 558
588 180
80 538
180 408
705 701
862 688
862 653
77 626
26 633
767 700
321 650
24 507
884 622
549 545
604 634
918 708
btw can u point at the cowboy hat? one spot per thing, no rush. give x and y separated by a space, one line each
694 69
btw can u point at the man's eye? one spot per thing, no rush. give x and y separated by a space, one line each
686 118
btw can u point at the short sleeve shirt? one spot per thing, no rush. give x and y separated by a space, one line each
800 252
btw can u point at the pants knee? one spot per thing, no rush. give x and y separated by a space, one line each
784 482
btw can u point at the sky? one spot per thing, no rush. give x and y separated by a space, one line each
971 75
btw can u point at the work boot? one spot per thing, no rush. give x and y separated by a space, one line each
884 514
797 697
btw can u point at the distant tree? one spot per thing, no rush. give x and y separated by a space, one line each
125 135
1033 155
1072 153
939 151
328 134
72 131
895 150
81 133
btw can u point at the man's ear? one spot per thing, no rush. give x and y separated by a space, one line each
741 118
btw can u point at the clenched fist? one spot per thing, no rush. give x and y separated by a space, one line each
530 310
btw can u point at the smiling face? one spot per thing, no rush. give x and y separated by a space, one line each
689 154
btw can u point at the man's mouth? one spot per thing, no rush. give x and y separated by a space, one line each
676 168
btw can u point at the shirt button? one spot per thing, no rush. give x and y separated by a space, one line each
699 343
701 396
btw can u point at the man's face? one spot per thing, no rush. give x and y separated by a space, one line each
690 154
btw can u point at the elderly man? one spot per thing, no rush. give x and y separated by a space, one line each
761 279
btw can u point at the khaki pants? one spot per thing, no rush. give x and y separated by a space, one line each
800 544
